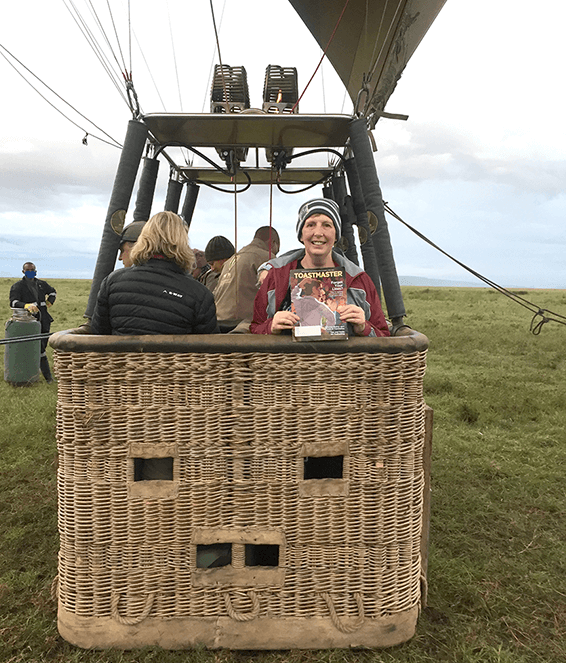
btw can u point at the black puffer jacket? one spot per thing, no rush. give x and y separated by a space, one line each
155 298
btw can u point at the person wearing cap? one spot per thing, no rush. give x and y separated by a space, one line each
218 250
318 229
128 238
36 296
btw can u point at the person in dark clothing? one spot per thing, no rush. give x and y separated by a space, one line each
218 251
128 238
157 295
36 296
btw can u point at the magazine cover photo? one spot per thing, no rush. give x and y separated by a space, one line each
316 295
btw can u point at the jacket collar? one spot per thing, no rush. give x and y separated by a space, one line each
341 261
165 263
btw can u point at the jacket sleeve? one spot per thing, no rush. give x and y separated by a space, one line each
50 292
100 323
15 294
261 324
206 322
376 322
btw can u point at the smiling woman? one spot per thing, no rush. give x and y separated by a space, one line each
318 228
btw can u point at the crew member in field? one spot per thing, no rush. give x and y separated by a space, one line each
36 296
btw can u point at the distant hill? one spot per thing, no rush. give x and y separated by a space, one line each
439 283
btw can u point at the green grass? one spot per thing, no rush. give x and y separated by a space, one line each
497 558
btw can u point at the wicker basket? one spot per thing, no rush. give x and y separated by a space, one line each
296 468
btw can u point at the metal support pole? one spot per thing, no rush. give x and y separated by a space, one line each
124 181
361 147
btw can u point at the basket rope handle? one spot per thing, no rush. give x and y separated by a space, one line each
338 623
131 621
54 589
242 616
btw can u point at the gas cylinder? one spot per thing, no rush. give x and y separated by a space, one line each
21 359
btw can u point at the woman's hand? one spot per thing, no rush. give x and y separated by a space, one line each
355 316
283 320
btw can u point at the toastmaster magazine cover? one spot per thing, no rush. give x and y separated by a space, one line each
316 295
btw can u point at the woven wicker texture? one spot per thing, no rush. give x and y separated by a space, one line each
238 427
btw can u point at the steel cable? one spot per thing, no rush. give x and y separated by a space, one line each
545 314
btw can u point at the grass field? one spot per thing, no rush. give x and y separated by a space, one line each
497 559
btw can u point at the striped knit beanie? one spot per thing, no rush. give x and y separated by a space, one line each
320 206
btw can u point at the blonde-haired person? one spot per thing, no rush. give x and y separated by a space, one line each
157 295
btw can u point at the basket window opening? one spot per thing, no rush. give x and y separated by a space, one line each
323 467
153 469
214 555
262 555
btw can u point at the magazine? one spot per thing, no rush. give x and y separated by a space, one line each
316 295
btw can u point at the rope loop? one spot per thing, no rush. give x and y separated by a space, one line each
133 101
131 621
242 616
55 588
536 329
337 621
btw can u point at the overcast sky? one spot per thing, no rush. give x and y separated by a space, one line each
479 167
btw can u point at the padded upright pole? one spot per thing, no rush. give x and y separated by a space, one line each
174 190
124 181
190 202
361 147
359 209
146 189
340 194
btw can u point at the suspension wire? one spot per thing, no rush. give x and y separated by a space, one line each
124 67
236 234
115 143
220 58
544 314
270 209
174 57
185 155
131 97
323 88
98 52
374 59
149 72
105 36
130 33
323 55
212 61
400 3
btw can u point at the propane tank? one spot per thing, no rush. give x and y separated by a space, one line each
21 359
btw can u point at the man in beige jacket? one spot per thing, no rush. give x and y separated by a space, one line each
237 287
